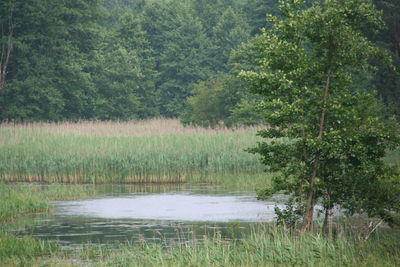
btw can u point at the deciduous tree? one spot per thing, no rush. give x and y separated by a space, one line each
325 140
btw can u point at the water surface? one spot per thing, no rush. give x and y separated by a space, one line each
162 213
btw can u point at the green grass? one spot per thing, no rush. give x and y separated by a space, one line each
17 200
264 248
33 154
20 199
115 153
20 251
267 245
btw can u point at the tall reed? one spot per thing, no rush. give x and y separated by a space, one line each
96 152
266 246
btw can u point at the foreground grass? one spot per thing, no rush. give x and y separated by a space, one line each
152 151
267 245
18 200
264 247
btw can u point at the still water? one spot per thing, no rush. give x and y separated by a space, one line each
177 213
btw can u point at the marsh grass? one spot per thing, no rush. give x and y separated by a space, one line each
19 251
267 245
20 199
111 152
17 200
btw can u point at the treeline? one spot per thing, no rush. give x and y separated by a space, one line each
135 59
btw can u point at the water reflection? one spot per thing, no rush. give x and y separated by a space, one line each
132 213
176 207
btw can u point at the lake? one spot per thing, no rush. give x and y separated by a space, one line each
161 213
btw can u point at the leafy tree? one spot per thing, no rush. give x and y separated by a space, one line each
245 111
221 100
391 33
6 39
230 31
387 79
49 67
326 141
125 75
256 11
180 45
211 101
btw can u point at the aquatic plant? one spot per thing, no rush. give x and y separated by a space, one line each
267 245
106 152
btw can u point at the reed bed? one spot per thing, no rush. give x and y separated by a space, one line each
267 245
159 150
150 127
20 199
17 200
272 247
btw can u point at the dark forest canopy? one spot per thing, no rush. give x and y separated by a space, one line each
135 59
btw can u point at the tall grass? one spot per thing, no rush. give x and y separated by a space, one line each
266 246
104 152
20 199
17 200
270 246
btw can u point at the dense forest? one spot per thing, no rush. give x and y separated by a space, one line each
136 59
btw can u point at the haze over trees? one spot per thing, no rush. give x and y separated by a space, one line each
135 59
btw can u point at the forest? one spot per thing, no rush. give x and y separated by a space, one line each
133 59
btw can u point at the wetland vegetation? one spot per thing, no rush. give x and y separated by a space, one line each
160 150
126 127
264 244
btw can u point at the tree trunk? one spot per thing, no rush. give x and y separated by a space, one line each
309 212
396 40
327 227
6 49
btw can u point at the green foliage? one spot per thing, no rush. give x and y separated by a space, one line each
289 216
124 74
256 10
309 59
245 112
129 59
48 75
221 100
229 32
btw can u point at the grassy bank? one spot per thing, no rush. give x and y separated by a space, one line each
105 152
267 245
18 200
